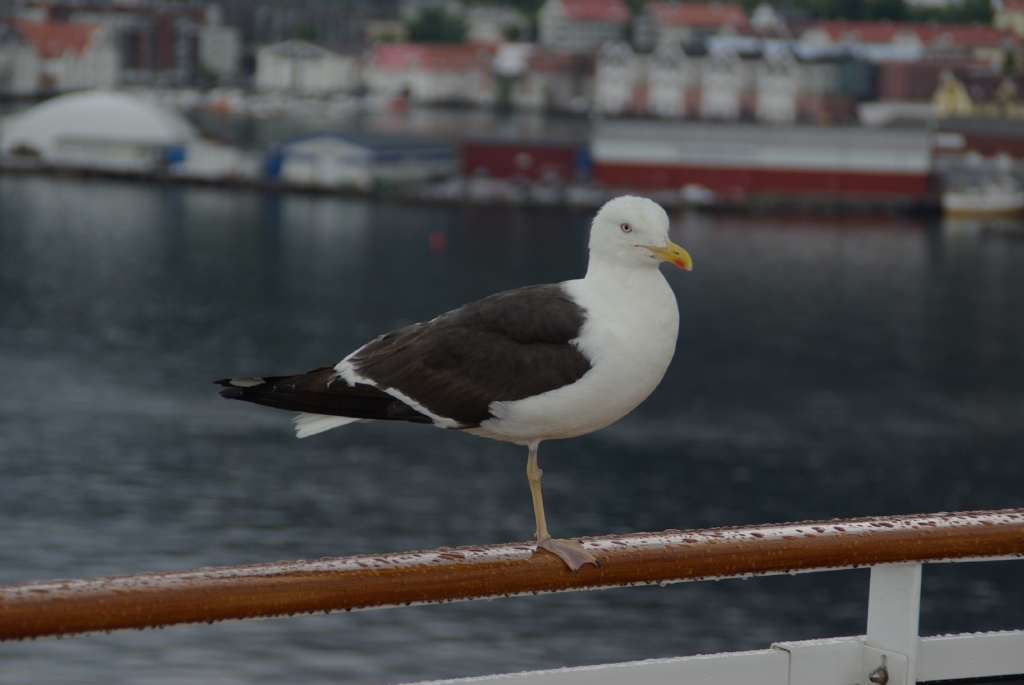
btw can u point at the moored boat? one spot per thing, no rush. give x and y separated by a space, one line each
997 199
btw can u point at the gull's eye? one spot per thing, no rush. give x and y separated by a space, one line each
626 228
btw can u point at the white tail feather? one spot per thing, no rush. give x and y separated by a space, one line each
311 424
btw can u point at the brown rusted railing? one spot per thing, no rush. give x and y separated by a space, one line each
65 607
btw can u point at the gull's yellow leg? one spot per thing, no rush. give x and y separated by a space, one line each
569 551
533 474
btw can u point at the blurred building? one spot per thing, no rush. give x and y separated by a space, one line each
303 68
729 85
101 130
1009 14
72 55
982 96
673 82
917 81
119 133
895 40
620 80
19 64
428 73
168 42
581 26
325 22
385 31
496 24
767 19
220 46
363 161
736 80
684 23
819 89
778 87
555 81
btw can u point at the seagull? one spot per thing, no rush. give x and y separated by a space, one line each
538 363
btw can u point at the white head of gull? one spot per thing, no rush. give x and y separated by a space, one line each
538 363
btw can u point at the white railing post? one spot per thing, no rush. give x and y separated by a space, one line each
894 603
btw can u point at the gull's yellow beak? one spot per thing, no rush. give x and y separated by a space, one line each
673 253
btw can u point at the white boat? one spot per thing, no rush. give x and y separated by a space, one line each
1002 198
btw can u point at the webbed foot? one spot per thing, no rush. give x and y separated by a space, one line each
569 551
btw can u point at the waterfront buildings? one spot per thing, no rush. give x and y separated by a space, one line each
19 64
112 131
581 26
769 82
361 161
683 23
118 133
299 67
71 55
427 73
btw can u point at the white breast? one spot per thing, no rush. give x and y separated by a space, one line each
629 338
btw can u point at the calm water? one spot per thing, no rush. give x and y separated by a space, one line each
827 367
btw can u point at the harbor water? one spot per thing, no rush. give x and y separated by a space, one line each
827 366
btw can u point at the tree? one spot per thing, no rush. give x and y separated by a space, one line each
971 11
895 10
435 25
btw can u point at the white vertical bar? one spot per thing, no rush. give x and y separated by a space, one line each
894 607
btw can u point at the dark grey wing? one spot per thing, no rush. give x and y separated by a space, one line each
505 347
320 391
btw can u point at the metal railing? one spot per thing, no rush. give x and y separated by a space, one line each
149 600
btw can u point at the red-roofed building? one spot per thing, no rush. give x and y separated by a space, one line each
73 55
556 81
989 43
581 25
917 81
871 32
432 73
928 34
1010 15
685 22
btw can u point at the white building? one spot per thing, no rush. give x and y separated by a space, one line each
20 66
673 83
620 80
766 18
301 67
728 86
220 49
1009 14
364 161
682 23
117 132
73 55
556 81
581 25
432 73
778 86
102 130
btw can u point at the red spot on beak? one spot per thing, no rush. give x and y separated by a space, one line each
679 263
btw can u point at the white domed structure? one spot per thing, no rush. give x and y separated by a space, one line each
98 129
